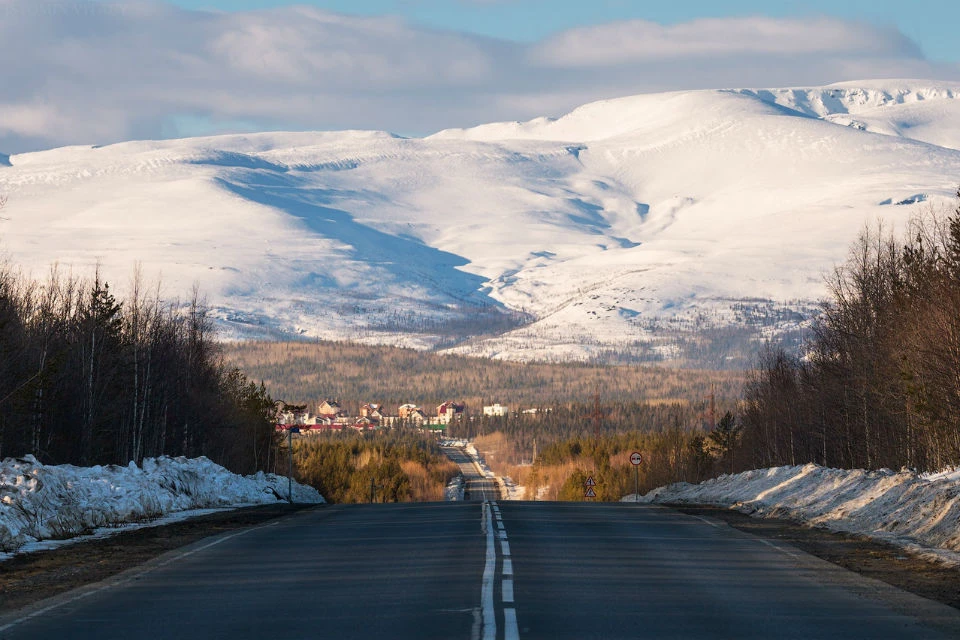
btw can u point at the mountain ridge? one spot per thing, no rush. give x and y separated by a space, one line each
618 231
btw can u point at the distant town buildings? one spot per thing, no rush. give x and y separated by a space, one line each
496 410
331 416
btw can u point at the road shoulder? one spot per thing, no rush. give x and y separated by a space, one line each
864 556
33 577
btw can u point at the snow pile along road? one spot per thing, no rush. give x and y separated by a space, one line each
921 513
40 502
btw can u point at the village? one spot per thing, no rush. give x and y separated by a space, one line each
332 417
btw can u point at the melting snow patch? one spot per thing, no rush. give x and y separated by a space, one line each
44 502
917 512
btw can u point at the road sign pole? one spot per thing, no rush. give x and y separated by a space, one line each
290 477
635 460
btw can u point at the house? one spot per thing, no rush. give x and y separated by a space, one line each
449 411
365 424
496 410
406 410
372 411
330 408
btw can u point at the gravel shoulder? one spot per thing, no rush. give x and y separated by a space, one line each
862 555
31 577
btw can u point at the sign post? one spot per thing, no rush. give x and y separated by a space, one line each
290 431
589 491
635 460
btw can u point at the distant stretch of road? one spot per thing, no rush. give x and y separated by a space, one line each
492 571
476 486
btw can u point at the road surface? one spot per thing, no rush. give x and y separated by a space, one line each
487 570
477 487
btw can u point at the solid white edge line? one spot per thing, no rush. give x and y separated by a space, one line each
489 577
766 542
120 583
510 629
712 524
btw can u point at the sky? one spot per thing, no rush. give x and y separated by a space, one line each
932 24
102 71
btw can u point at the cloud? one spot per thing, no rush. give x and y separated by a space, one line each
82 72
641 41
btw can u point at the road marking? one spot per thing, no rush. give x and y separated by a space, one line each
128 580
505 548
489 576
507 567
502 534
709 522
510 630
508 591
499 523
766 542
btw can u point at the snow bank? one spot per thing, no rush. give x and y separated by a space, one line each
454 490
921 513
39 502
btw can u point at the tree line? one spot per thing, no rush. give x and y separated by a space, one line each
878 384
88 379
313 371
374 467
562 465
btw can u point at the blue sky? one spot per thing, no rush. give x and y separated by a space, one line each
932 24
102 71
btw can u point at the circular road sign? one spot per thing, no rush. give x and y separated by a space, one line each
635 458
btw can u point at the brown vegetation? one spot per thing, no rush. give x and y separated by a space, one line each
354 374
374 467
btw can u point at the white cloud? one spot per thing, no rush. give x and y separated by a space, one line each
638 41
89 72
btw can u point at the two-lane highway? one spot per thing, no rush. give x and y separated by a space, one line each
477 487
492 570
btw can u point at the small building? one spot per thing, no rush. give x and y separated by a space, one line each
496 410
330 408
450 411
406 410
371 410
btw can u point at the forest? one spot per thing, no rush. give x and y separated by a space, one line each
88 379
312 371
878 383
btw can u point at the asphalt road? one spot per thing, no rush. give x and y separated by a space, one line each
476 486
487 570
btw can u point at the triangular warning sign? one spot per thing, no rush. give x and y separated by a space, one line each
590 493
590 482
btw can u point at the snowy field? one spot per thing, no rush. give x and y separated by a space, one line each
40 504
917 512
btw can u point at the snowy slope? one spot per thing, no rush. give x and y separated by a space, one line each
904 508
618 226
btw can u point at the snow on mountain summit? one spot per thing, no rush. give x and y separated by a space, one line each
615 228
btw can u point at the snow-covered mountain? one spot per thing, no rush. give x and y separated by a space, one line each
620 227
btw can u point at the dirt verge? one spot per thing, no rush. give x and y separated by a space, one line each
31 577
860 554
